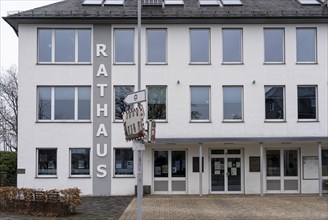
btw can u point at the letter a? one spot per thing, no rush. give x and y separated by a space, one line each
101 130
102 70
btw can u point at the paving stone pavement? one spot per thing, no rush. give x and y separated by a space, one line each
175 207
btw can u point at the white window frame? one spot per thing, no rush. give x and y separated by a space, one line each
76 100
53 46
70 163
241 47
166 46
283 45
316 102
133 47
209 47
166 102
242 103
284 103
37 164
315 46
114 161
209 105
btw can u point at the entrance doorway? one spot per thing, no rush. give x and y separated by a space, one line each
226 171
169 172
282 171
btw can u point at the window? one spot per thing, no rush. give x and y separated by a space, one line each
64 45
47 162
123 161
80 161
232 45
200 46
173 2
232 102
324 162
156 45
120 93
200 103
306 45
157 102
64 103
124 46
209 2
114 2
274 45
307 102
274 102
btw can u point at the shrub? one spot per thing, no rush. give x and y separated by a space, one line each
8 163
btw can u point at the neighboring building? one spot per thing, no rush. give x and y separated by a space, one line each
243 84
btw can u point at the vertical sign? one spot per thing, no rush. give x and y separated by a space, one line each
102 91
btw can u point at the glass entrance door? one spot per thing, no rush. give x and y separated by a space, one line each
169 172
226 172
282 171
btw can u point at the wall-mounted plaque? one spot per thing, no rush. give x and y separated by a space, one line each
254 164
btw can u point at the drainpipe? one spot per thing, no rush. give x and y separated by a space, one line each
200 170
261 168
319 168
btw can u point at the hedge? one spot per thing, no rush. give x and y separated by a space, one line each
39 203
8 163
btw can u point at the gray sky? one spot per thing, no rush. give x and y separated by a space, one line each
8 38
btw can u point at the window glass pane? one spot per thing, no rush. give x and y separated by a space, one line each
273 162
157 102
124 43
161 164
80 161
290 163
217 151
306 44
45 45
84 103
307 106
84 45
120 94
44 103
64 103
234 151
123 162
200 103
274 102
232 45
64 45
178 164
324 162
199 43
232 102
47 162
156 45
274 45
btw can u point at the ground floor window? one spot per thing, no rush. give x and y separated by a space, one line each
123 161
324 153
80 161
47 162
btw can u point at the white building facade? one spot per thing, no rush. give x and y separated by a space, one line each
242 88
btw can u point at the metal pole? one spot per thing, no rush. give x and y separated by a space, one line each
319 168
140 164
261 168
200 170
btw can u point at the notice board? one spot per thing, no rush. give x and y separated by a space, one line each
310 167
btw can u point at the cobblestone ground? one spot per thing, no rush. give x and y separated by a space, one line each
231 207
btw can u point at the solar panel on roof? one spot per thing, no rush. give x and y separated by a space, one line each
174 2
209 2
309 2
92 2
114 2
231 2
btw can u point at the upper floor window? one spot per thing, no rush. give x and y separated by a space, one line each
306 45
232 103
232 45
80 161
64 45
64 103
274 45
120 94
124 46
200 103
156 45
157 102
307 102
274 102
200 46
